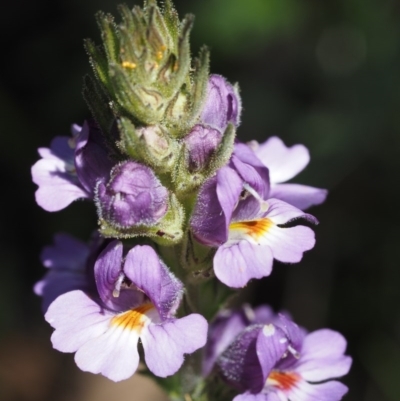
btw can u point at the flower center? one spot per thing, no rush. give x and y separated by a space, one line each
283 380
134 319
256 229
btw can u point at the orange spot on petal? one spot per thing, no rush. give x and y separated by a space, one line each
133 319
283 380
254 228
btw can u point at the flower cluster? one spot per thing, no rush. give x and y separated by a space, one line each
180 202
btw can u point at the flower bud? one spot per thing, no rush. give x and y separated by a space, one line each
201 144
132 197
151 145
222 104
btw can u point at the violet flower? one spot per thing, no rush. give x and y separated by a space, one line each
133 196
135 301
70 263
68 169
66 261
55 175
248 233
91 159
278 362
283 164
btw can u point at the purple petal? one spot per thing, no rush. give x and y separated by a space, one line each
281 213
272 344
114 354
76 319
146 271
109 280
66 261
273 396
208 221
61 148
247 209
55 176
294 334
91 159
260 181
165 344
300 196
58 282
229 187
251 176
330 391
66 253
215 204
235 265
239 363
263 314
289 244
283 162
222 104
221 333
133 196
57 187
322 356
201 143
254 397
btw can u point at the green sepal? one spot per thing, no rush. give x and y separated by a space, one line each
196 257
223 152
151 145
182 64
200 81
109 34
157 34
98 60
177 112
144 105
171 19
98 104
185 181
170 228
135 33
184 110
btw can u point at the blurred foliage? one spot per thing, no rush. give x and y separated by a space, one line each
322 73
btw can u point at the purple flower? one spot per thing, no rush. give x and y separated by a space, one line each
56 177
136 301
68 263
67 171
283 164
133 196
279 362
91 159
222 104
249 233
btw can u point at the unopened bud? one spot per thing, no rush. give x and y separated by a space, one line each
222 104
132 197
201 144
151 145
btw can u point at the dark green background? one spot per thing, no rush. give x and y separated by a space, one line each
322 73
